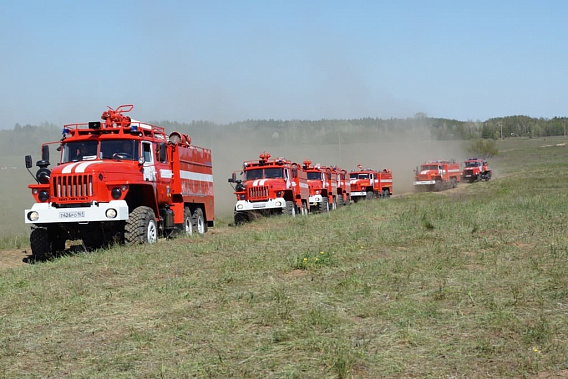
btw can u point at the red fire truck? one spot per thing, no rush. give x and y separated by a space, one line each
119 180
475 169
437 175
367 183
270 186
322 182
343 186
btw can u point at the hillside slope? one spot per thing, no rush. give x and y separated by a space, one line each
469 282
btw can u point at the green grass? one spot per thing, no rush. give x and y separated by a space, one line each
463 283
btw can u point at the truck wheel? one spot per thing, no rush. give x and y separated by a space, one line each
141 227
187 222
290 208
454 182
438 186
340 202
199 223
324 205
386 193
40 243
240 218
370 195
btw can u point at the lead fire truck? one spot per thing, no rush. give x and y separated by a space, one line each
437 175
119 180
367 183
270 186
475 169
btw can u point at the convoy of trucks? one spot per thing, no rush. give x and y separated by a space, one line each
124 181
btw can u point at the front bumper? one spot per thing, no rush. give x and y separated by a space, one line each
244 205
424 182
315 199
358 193
48 214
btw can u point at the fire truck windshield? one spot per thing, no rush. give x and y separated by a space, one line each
472 164
264 173
80 150
359 176
125 149
314 175
429 167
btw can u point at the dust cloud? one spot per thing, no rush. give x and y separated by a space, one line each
401 153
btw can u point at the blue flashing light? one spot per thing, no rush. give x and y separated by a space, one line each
66 131
134 128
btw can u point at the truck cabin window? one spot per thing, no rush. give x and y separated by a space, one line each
79 151
120 150
314 175
359 176
263 173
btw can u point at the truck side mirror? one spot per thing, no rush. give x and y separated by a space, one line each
29 163
233 178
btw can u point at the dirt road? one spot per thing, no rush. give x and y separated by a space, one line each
13 258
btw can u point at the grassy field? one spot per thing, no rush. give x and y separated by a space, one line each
470 282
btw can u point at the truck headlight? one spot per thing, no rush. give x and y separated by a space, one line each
111 213
33 216
239 206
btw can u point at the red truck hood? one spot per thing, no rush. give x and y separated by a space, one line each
89 167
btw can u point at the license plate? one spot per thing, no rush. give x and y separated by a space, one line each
73 214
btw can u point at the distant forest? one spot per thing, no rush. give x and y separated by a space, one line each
26 139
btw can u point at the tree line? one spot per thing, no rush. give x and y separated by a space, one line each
26 139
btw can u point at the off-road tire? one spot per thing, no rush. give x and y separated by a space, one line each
453 182
199 223
141 227
324 204
370 195
187 222
241 218
438 186
40 243
290 208
340 202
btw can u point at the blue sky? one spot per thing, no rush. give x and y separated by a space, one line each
223 61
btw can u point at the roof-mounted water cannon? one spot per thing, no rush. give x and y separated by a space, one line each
115 118
264 156
307 164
